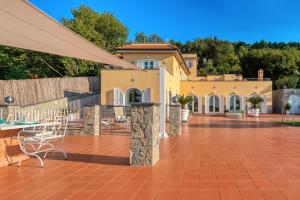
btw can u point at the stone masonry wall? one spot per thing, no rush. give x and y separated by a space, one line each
175 120
144 147
91 118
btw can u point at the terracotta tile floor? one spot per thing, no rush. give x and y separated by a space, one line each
214 158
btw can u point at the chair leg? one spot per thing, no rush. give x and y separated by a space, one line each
66 157
41 161
46 154
20 161
63 152
51 149
35 155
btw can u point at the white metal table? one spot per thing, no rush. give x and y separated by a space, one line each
11 126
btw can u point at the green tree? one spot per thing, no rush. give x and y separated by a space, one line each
102 29
141 37
215 56
23 64
287 82
275 62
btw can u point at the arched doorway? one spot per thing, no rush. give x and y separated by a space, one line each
214 104
235 103
133 95
194 105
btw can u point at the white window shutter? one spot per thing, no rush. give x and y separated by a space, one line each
264 107
228 102
221 104
118 97
139 63
146 95
156 64
199 104
206 104
242 102
248 104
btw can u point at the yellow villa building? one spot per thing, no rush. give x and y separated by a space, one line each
163 72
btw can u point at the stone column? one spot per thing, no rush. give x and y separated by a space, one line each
175 119
91 118
144 137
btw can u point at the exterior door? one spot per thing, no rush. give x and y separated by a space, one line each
214 104
235 103
194 105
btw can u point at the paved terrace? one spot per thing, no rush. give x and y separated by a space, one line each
214 158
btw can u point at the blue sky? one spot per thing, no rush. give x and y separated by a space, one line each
234 20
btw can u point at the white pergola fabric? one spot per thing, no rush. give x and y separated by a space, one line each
23 25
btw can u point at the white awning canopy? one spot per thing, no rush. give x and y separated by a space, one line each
24 26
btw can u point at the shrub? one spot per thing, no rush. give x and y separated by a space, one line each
255 101
288 82
287 107
183 100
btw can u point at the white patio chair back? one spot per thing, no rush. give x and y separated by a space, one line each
119 112
63 125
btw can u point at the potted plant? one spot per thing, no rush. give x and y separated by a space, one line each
287 108
183 100
255 101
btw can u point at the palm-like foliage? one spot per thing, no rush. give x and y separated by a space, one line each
255 101
287 107
183 100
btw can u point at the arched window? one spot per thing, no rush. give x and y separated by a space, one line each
235 102
214 103
133 96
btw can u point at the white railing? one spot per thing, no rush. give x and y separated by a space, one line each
1 113
40 115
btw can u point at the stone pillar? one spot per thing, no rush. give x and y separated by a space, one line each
91 118
7 110
175 119
144 137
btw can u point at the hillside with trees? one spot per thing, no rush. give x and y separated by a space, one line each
280 61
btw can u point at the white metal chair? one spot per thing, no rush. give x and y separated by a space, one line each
106 123
50 138
121 118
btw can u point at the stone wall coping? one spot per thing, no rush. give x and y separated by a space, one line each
288 89
92 105
9 105
145 104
